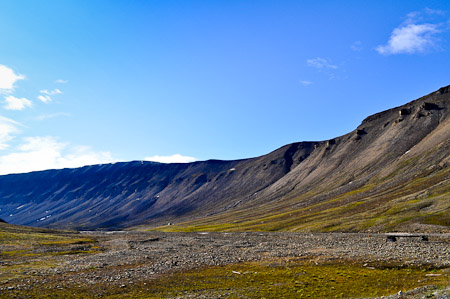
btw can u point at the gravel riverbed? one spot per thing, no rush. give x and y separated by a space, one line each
128 257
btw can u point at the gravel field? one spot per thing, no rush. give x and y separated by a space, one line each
128 257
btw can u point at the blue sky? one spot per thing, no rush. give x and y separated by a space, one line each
87 82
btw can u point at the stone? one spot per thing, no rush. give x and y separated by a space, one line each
360 132
443 90
428 106
404 112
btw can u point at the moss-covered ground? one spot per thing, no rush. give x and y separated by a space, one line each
292 278
28 256
25 250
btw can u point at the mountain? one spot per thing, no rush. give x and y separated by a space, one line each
390 173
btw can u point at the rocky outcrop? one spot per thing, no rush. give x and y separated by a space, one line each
404 111
445 89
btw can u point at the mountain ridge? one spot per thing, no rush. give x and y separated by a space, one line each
388 150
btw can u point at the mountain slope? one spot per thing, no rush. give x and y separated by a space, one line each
124 194
391 173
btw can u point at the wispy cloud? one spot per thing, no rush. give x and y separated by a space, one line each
49 116
177 158
40 153
37 153
320 63
51 92
414 35
305 82
44 98
356 46
431 11
7 79
13 103
61 81
8 128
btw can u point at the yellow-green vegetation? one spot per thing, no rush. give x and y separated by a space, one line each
26 249
24 236
425 200
293 278
297 279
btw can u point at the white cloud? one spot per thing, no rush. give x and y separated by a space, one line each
305 82
409 39
417 34
177 158
51 92
44 98
320 63
61 81
8 78
40 153
45 95
8 127
13 103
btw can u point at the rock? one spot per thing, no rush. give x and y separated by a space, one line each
360 132
330 143
404 111
419 115
443 90
428 106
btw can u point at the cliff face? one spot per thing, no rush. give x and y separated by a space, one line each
392 171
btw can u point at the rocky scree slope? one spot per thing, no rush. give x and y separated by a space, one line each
391 173
119 195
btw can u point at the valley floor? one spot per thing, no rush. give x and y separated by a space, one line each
41 264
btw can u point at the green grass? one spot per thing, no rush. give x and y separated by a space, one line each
293 279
